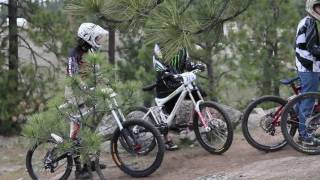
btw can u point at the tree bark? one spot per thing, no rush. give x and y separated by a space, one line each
13 47
276 66
112 45
266 73
210 71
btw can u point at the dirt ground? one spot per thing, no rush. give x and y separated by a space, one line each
193 163
241 161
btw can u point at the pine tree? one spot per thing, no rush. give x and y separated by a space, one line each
172 23
25 87
265 43
93 88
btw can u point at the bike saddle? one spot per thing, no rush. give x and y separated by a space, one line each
289 81
149 87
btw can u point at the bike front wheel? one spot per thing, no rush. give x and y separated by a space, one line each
44 161
131 157
309 144
217 138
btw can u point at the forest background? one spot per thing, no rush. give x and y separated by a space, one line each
247 46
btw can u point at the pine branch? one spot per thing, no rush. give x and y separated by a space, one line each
32 52
214 20
239 12
186 7
217 19
109 20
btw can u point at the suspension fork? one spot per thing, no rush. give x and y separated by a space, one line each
197 109
119 117
202 99
202 118
118 109
125 133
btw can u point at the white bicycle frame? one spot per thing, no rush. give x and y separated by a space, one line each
184 89
113 105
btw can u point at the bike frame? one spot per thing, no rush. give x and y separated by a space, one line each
184 90
114 108
277 117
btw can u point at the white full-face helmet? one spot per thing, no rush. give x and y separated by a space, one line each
93 34
310 8
157 57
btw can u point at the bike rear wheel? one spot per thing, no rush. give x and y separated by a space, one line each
261 123
290 118
219 138
38 162
130 158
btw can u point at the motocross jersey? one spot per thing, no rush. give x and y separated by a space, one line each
307 46
76 64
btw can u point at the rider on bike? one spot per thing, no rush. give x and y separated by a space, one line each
307 49
90 37
167 82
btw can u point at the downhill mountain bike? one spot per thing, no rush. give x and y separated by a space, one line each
261 120
211 124
310 127
46 161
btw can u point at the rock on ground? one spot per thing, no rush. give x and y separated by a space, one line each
107 126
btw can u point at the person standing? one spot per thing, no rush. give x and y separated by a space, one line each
307 49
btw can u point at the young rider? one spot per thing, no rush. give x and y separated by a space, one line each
307 49
90 37
167 82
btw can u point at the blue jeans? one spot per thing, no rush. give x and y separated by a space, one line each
309 83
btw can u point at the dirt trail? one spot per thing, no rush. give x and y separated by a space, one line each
240 162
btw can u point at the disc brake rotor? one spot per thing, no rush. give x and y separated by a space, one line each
267 125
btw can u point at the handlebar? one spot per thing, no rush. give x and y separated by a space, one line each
196 71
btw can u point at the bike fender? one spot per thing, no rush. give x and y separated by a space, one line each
57 138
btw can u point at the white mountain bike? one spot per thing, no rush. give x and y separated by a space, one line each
45 161
211 124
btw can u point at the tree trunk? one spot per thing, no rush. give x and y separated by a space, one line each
112 45
210 71
276 66
13 47
266 74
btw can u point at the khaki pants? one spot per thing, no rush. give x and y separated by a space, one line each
75 101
